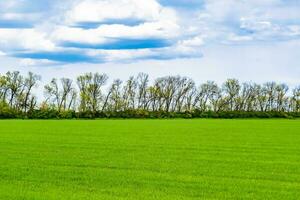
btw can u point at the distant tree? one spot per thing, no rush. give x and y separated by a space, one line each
3 89
281 98
295 100
129 93
61 97
142 85
232 89
29 99
90 89
183 86
52 94
14 81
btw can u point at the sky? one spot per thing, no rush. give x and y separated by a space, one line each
251 40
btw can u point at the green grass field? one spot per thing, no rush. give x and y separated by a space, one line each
150 159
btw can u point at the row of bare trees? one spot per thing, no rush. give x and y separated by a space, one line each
90 92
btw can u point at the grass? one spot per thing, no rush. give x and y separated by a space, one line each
149 159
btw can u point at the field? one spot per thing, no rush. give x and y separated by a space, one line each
149 159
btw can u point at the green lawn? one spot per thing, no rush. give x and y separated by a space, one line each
150 159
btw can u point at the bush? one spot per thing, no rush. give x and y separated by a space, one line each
49 113
8 113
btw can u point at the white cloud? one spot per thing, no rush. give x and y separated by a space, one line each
193 42
19 16
235 21
70 34
28 39
33 62
161 29
237 38
294 30
256 25
120 55
216 22
156 21
2 53
8 4
98 11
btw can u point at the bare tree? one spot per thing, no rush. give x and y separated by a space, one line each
295 100
167 94
129 93
61 99
52 93
30 82
281 99
142 85
90 88
232 88
14 83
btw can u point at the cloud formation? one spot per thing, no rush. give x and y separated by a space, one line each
99 31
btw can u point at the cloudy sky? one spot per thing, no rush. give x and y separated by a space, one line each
252 40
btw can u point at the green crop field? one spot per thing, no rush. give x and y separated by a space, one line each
149 159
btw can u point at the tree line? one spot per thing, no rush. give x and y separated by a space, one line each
90 96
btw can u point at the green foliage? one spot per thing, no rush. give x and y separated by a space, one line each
8 113
50 113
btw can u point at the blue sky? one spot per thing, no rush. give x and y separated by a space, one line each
251 40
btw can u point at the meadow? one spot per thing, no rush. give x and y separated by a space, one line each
149 159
